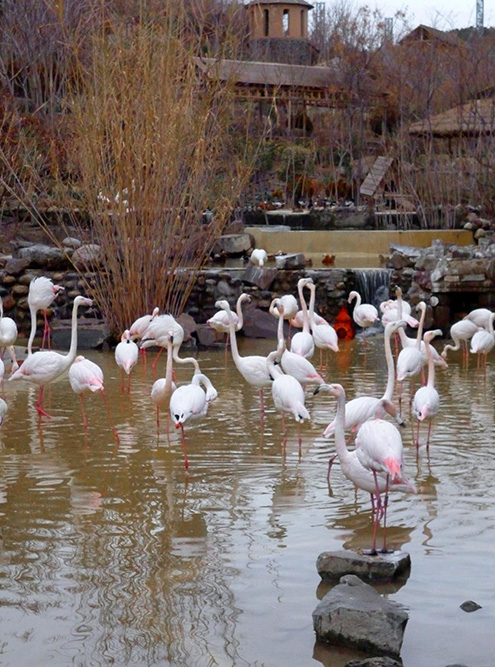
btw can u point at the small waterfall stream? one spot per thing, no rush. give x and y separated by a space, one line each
374 287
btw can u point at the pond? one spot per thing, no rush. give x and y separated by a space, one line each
112 554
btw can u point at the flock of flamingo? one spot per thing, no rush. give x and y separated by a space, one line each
376 462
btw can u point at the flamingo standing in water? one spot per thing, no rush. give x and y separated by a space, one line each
84 376
42 293
481 317
363 314
302 342
482 343
3 410
163 388
139 326
189 403
292 364
220 320
45 366
157 335
375 476
426 400
461 332
253 368
8 336
126 356
288 395
324 335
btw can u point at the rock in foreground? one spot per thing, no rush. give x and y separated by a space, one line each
383 568
354 614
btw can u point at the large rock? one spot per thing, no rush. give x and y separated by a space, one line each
354 614
261 277
91 334
332 565
259 324
233 244
377 661
15 266
44 256
288 262
89 255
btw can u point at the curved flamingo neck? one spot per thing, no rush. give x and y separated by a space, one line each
304 307
233 339
389 389
32 333
421 325
357 296
339 431
238 308
280 333
71 355
169 367
312 289
431 366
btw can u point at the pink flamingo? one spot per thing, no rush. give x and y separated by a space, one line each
324 335
302 342
461 332
288 395
126 356
8 336
42 293
363 314
163 388
45 366
84 376
426 400
189 403
482 343
378 468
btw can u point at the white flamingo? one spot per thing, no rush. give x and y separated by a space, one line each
293 364
220 320
126 356
157 335
189 403
8 336
163 388
253 368
426 400
302 342
363 314
259 257
397 310
461 332
86 376
139 326
3 410
288 395
482 343
324 335
42 293
45 366
481 317
373 481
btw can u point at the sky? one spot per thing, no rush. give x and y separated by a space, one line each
443 14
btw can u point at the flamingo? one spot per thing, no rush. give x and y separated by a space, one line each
190 402
375 482
84 376
45 366
461 332
2 373
259 257
481 317
288 394
482 343
410 359
157 335
360 409
298 319
163 388
397 310
364 314
139 326
253 368
126 356
42 293
220 320
3 410
302 342
8 336
426 400
324 335
293 364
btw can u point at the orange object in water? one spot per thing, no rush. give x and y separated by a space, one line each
344 325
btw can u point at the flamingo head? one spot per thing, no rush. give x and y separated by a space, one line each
57 289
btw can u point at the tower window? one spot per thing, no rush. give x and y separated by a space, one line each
285 21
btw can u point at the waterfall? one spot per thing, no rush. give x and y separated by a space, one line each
374 286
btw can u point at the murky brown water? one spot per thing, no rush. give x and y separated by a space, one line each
111 554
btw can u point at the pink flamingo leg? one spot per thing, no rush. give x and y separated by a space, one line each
385 549
184 447
109 415
129 383
46 332
376 513
262 406
40 410
153 365
85 421
122 380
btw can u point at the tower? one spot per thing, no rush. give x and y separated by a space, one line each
278 31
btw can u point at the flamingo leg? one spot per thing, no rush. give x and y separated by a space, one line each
330 463
184 447
129 383
85 421
428 437
385 549
262 406
153 365
41 412
109 415
377 513
299 439
122 380
46 332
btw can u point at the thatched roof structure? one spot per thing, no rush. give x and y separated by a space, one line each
468 120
